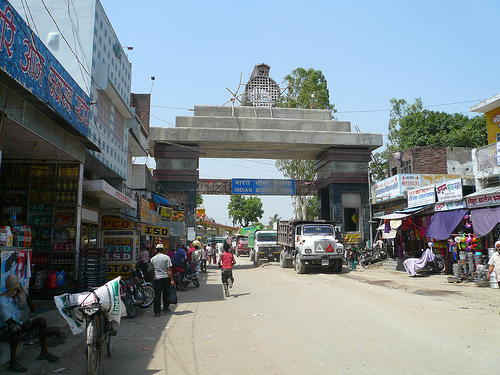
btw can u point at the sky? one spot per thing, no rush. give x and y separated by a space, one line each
444 52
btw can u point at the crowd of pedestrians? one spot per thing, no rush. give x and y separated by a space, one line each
158 266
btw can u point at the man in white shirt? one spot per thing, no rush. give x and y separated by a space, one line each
163 279
494 263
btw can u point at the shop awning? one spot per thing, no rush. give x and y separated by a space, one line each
395 224
109 196
162 200
484 220
444 223
389 236
393 216
487 191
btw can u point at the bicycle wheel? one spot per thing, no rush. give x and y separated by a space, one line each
93 347
149 294
107 337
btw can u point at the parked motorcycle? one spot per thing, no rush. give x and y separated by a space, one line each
371 256
182 280
144 294
127 297
135 291
435 266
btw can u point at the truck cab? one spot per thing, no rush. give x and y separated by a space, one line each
309 243
263 245
242 245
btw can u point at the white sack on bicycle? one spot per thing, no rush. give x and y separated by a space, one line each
108 295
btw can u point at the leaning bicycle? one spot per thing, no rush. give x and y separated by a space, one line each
99 333
93 311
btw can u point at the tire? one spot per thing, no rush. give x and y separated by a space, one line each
282 259
109 343
182 285
337 266
129 305
237 253
93 349
149 295
300 266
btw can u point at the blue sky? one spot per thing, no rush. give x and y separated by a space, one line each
441 51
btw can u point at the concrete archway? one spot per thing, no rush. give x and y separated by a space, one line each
341 156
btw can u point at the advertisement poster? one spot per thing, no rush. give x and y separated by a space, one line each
11 264
421 197
448 191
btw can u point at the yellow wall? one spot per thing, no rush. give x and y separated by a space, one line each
493 125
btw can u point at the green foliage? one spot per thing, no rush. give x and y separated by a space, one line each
199 199
411 126
306 89
245 210
273 219
312 208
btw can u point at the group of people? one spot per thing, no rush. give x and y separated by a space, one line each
193 260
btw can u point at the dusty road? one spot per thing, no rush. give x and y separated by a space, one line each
278 322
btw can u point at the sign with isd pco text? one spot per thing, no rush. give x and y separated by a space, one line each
249 186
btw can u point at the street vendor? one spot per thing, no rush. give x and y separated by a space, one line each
494 263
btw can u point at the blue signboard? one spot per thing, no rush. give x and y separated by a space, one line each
262 187
28 61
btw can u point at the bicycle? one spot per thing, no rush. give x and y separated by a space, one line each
99 332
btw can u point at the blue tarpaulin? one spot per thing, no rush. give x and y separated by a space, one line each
162 200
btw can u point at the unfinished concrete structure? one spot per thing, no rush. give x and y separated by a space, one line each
267 132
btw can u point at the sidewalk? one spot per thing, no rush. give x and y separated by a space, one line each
60 340
386 275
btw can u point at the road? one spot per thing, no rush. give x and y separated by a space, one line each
279 322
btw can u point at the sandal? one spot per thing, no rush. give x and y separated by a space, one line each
17 368
49 357
157 315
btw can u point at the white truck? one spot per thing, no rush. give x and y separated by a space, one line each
263 245
306 243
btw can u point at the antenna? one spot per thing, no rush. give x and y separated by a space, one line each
234 96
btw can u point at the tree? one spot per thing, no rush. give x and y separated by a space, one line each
306 89
243 210
312 208
199 199
273 219
410 126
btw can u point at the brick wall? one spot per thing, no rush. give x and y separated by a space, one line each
142 103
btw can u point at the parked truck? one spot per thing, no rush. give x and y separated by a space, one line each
306 243
263 245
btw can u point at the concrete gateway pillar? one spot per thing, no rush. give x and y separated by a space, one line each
177 171
343 188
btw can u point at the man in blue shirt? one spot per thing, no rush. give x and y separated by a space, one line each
179 259
12 302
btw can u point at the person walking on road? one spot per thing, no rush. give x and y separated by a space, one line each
163 279
226 262
204 258
494 263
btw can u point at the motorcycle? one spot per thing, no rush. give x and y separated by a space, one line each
182 280
372 256
136 292
127 297
144 294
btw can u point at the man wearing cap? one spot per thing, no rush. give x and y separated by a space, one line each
163 279
494 263
12 302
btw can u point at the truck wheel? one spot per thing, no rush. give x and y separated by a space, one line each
337 266
282 259
300 266
237 253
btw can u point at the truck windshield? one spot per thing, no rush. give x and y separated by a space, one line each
266 237
317 229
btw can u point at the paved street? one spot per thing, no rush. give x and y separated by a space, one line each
373 321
